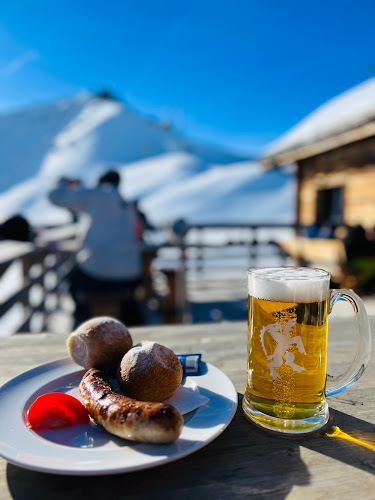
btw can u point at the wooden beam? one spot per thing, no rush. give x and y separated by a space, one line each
319 147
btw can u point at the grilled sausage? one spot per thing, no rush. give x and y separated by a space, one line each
128 418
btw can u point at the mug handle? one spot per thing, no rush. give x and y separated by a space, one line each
341 382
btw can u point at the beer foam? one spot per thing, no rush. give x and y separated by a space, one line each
289 284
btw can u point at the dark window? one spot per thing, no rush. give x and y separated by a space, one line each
329 208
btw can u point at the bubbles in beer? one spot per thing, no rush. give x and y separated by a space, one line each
283 390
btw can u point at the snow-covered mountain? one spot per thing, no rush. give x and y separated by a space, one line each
83 136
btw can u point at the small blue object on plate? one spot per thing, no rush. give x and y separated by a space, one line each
191 364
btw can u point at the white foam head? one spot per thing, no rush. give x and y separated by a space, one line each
289 284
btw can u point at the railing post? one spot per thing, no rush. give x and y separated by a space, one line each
199 252
181 289
253 246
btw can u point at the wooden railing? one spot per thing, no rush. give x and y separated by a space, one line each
217 251
43 267
201 245
32 279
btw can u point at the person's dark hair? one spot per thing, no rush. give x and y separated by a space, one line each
110 177
16 228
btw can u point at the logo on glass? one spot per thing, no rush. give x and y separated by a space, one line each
281 335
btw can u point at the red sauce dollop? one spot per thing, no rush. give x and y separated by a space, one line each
56 410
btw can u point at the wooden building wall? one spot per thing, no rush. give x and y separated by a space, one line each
351 167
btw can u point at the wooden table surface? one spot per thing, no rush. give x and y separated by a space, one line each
243 462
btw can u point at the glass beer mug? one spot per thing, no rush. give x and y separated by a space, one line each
287 348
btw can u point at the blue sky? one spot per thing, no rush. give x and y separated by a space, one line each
233 73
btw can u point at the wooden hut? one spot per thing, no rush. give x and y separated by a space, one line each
334 150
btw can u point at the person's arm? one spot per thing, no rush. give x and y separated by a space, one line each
145 222
74 198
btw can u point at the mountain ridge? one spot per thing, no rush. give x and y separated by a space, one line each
86 134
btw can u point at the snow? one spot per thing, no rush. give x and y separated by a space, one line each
83 136
226 194
144 177
348 110
27 135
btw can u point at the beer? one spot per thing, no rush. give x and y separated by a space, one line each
287 346
287 357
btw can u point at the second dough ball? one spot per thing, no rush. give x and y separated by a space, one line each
150 372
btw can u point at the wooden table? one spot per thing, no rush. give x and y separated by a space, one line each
243 461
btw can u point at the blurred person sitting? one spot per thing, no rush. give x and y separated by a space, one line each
360 255
110 260
320 230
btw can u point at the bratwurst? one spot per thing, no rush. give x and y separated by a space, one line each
128 418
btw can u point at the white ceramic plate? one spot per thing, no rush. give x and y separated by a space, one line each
89 449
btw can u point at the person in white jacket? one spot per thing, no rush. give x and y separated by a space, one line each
111 255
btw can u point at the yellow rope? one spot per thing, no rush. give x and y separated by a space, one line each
337 432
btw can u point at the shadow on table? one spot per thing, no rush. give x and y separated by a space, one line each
242 462
355 454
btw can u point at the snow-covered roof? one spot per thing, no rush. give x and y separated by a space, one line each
350 110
